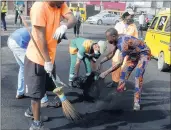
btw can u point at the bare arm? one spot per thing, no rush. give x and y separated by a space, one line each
115 66
3 5
109 55
41 34
71 20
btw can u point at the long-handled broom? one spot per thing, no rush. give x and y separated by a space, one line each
68 110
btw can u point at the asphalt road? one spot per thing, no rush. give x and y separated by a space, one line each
111 112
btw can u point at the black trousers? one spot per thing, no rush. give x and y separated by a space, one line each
16 17
77 28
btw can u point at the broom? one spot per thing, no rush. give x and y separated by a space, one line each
68 110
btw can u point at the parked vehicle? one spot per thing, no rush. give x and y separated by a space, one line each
104 18
158 39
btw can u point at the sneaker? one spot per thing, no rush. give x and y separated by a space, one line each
19 96
34 126
29 114
136 106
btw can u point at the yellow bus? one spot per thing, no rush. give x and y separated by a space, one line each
158 39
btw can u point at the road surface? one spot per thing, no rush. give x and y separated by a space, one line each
113 113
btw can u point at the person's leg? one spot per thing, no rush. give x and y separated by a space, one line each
5 26
19 55
20 89
142 63
35 79
72 69
44 99
88 69
3 21
21 19
141 31
126 70
16 17
87 64
75 27
78 29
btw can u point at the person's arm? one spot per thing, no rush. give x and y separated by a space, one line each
68 15
38 21
109 55
71 21
113 68
3 5
41 35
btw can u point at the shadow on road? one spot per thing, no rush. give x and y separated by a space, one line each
112 108
115 116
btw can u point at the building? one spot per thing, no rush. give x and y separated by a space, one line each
94 7
152 7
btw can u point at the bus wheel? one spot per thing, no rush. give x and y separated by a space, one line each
162 66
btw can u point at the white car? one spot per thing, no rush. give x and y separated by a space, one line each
103 18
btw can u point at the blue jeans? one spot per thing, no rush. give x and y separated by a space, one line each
3 20
19 54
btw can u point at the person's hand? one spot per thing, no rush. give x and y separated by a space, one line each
103 75
60 32
48 66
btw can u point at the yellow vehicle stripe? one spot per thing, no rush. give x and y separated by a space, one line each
159 32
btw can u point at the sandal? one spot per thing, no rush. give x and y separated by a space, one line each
54 104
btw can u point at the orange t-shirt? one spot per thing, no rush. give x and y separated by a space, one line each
43 15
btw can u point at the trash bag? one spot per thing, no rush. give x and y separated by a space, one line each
89 84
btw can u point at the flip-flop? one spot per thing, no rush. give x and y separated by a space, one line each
54 104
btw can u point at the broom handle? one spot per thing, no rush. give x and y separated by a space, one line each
26 25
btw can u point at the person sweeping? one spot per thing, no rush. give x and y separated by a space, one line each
85 50
138 56
46 30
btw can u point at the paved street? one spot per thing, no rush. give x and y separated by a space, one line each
111 112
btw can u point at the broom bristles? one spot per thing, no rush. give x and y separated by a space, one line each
68 110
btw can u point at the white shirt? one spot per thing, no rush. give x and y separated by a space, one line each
141 19
121 27
78 15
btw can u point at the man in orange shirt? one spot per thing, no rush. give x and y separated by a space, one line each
126 26
46 30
